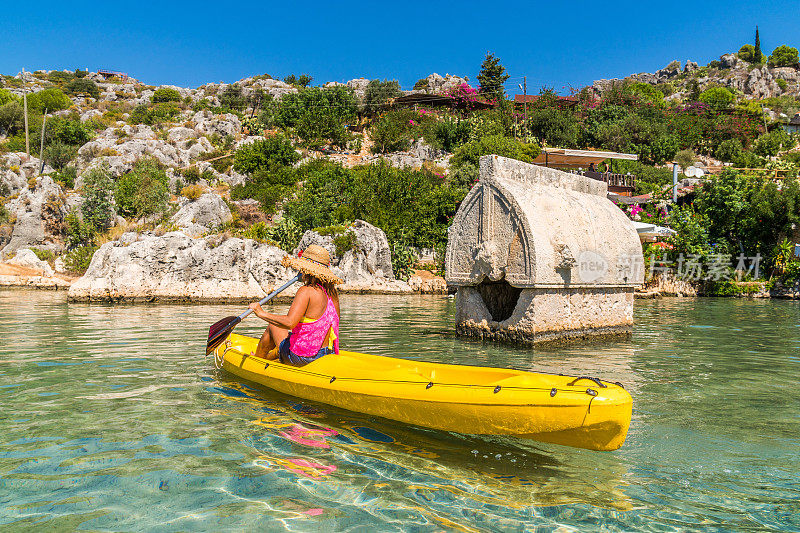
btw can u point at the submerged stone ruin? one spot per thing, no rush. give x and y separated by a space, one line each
540 255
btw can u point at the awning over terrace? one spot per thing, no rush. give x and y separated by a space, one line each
567 158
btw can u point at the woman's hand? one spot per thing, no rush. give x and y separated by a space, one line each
256 307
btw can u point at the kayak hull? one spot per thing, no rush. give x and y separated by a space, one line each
474 400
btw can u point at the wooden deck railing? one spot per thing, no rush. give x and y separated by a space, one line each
613 180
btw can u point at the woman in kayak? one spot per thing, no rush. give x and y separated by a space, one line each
310 329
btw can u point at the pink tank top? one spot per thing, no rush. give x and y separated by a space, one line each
307 338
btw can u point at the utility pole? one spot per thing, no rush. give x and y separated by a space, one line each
524 87
25 108
525 96
41 147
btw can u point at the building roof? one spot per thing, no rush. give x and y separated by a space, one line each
434 100
567 158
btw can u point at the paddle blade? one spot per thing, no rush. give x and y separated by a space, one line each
219 331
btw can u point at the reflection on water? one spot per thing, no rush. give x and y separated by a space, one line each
113 420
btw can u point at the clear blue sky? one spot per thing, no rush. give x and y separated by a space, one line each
555 44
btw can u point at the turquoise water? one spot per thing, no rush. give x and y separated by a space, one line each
112 420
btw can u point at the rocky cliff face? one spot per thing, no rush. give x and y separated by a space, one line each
752 81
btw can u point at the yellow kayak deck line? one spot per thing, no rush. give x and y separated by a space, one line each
581 412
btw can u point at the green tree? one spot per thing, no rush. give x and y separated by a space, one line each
143 190
165 94
82 86
718 98
747 53
757 55
52 99
317 114
97 207
12 117
784 56
729 150
379 92
268 154
492 76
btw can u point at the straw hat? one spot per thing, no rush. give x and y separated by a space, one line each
314 260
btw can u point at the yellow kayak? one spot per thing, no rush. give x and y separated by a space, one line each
582 412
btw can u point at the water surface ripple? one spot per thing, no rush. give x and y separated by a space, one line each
112 420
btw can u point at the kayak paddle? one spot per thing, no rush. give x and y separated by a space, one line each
220 330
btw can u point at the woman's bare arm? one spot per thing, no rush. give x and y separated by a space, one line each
290 319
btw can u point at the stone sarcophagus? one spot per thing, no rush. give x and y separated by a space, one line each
540 255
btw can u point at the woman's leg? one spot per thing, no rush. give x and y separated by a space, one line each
271 338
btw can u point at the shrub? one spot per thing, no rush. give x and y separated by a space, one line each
232 98
12 117
97 207
493 144
67 176
142 191
286 233
78 259
52 99
82 86
67 131
165 94
413 206
729 150
464 175
267 186
379 92
43 255
421 84
782 84
402 261
258 232
784 56
748 159
448 133
190 174
685 158
269 154
393 131
59 77
152 115
344 242
79 233
717 98
192 192
773 142
58 154
318 114
554 127
691 232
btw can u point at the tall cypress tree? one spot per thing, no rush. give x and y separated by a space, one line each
757 57
492 76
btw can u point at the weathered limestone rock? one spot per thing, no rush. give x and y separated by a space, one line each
26 258
39 216
15 170
207 123
177 267
541 255
367 267
199 216
438 84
